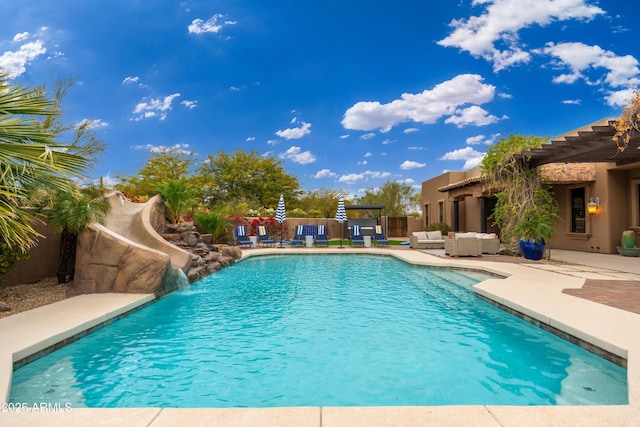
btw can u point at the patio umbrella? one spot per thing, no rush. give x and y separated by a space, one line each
281 216
341 216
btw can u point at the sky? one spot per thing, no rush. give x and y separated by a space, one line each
347 94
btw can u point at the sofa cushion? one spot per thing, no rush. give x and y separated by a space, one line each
486 236
421 235
434 235
465 235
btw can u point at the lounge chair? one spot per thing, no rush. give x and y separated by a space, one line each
321 236
355 236
298 237
240 235
263 237
378 236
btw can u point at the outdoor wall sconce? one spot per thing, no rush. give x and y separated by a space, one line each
592 206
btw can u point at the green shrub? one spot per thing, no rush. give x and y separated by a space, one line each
297 213
213 223
314 213
8 259
443 227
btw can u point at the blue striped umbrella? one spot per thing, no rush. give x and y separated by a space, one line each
281 216
341 216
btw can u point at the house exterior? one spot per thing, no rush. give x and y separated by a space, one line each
583 166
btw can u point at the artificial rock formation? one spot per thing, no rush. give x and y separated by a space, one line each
106 262
205 257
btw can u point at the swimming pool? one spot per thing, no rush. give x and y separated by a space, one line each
321 330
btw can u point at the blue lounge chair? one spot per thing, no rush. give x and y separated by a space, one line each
298 237
378 236
240 235
355 236
321 236
263 237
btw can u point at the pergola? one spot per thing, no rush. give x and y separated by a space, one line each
594 143
381 208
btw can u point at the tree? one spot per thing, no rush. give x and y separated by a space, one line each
82 139
629 122
244 177
171 164
70 212
30 159
179 197
525 206
323 200
397 197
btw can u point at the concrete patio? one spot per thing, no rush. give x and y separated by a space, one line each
532 288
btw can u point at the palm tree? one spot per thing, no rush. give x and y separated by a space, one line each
30 160
70 212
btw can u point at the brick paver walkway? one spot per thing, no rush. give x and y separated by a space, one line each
622 294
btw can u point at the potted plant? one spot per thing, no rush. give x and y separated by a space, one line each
533 229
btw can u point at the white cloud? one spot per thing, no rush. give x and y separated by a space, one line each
189 104
344 136
482 139
388 141
621 72
471 157
93 124
473 140
177 148
298 156
368 154
130 79
154 107
251 138
295 133
572 101
426 107
410 130
20 37
354 178
410 164
473 115
620 98
368 136
416 148
363 162
325 173
494 34
14 63
211 25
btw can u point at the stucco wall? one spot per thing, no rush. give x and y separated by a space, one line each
42 263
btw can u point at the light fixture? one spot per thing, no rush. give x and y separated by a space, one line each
592 206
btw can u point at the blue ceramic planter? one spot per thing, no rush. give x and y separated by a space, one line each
531 249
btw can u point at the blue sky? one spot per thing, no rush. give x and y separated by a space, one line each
347 93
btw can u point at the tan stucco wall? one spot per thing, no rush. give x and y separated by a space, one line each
431 196
42 263
612 186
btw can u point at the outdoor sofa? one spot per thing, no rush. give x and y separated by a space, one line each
488 243
426 240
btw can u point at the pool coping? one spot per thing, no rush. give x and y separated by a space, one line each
534 292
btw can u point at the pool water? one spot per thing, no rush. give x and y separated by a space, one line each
321 330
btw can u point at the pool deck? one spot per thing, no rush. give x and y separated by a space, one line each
551 293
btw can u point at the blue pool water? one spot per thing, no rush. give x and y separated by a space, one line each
321 330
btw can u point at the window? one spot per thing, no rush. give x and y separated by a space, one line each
441 212
426 214
578 224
